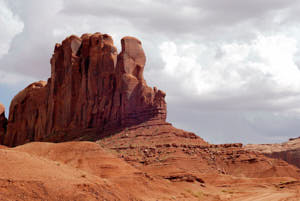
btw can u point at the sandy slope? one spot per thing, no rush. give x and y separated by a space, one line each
74 171
27 176
86 171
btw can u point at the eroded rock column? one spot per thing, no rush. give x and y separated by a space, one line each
91 87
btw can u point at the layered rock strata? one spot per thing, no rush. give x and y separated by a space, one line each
177 155
91 87
288 151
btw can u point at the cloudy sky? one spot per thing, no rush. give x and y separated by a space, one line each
231 69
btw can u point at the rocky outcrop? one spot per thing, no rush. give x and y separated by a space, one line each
3 123
180 156
91 87
288 151
27 116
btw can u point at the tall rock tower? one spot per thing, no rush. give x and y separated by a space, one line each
91 87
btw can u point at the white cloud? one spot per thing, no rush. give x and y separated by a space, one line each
234 67
8 78
10 25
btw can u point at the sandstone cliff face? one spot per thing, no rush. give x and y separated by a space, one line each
3 123
91 87
288 151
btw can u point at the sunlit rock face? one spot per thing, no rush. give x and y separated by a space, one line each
91 87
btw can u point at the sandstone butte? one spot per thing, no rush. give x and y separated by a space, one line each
95 94
91 87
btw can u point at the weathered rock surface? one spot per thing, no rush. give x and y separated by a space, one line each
187 169
91 87
166 152
3 123
75 171
288 151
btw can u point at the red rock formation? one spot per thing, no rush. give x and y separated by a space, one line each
86 171
288 151
27 117
174 154
91 87
3 123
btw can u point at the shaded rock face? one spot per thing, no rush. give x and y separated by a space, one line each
288 151
3 123
91 87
